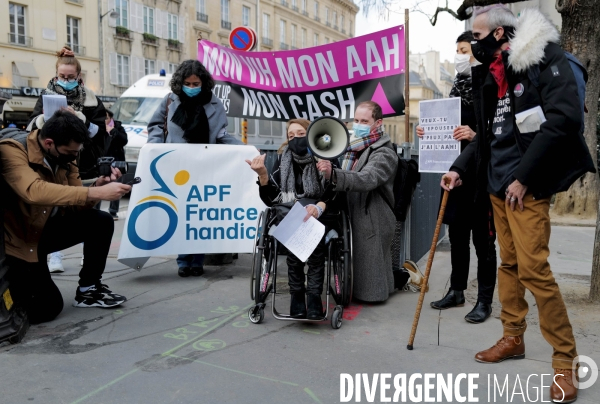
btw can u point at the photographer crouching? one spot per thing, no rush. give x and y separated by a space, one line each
47 209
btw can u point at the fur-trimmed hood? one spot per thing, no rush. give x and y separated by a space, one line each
533 32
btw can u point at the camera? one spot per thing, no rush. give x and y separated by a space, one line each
105 163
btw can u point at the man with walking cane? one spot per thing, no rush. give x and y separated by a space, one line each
520 163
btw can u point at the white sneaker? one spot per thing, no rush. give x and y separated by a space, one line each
55 263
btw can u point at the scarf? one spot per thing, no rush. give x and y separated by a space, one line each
310 177
357 145
191 117
75 97
463 86
497 71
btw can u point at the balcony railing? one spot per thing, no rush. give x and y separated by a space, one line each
20 40
294 47
283 46
226 24
267 42
305 13
335 27
328 23
317 18
174 44
295 8
343 31
202 17
284 3
77 49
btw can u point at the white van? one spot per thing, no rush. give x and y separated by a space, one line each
135 109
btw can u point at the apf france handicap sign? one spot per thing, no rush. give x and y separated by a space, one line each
242 39
193 199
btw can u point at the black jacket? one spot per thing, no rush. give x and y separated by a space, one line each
553 157
94 111
117 141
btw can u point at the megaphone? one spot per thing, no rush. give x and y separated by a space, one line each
327 137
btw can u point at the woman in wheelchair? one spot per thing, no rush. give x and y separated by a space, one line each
295 177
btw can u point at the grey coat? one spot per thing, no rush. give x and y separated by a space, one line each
373 225
217 122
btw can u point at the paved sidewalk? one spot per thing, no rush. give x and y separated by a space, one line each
188 340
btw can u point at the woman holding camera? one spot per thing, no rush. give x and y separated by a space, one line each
295 177
191 113
82 102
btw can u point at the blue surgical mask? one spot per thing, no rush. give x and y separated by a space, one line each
67 85
191 92
361 130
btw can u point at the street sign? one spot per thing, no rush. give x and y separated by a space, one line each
242 39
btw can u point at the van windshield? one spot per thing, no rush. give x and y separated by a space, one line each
135 110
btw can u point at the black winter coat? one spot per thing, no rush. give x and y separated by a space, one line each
94 111
553 157
117 141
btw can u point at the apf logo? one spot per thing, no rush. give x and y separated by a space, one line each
157 202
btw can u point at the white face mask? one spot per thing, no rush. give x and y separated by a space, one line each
462 64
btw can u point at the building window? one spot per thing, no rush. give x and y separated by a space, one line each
326 15
17 24
172 68
316 9
335 19
123 70
73 26
342 22
121 6
303 39
282 31
149 67
326 40
173 26
245 16
148 20
294 33
316 40
303 6
265 25
350 30
225 10
201 6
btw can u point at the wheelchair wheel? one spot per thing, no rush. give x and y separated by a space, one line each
257 253
263 270
256 314
336 317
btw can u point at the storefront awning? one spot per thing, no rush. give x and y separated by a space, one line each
26 69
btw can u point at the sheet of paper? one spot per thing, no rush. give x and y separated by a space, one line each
300 237
530 120
52 103
437 148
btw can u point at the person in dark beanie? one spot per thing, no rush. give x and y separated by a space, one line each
117 141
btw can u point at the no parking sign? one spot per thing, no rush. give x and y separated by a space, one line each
242 39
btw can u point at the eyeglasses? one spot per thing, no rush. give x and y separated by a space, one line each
67 79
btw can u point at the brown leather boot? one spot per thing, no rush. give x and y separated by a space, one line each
506 348
563 390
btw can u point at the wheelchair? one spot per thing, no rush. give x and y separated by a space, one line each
338 266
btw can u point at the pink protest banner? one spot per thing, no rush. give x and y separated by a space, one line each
326 80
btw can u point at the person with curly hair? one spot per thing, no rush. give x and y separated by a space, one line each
193 114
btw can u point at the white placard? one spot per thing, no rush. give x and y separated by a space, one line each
298 236
193 199
437 147
52 103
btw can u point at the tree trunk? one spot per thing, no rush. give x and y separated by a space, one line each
581 36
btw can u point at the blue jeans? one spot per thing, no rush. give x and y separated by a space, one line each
190 260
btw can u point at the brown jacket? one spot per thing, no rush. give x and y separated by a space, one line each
30 191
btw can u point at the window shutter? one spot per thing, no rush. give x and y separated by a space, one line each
140 17
112 61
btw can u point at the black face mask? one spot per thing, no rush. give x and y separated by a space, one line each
299 145
484 49
62 160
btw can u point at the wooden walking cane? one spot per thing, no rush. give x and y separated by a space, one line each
436 235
